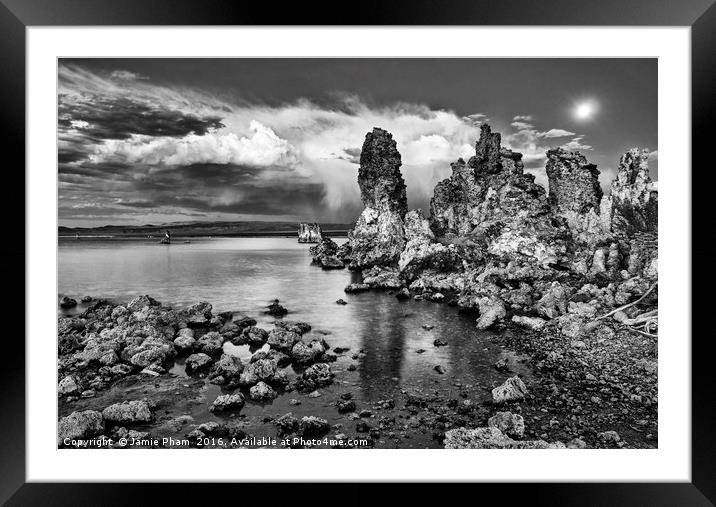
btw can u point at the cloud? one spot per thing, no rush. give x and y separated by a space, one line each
576 144
126 75
135 147
262 148
555 133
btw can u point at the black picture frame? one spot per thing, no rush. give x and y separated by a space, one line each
17 15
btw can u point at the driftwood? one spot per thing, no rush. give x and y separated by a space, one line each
629 305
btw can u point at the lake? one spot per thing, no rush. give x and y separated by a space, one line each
245 274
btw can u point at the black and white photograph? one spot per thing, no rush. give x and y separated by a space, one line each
372 253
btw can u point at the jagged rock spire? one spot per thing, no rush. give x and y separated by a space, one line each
381 183
573 182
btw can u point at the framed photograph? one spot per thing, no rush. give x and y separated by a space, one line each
422 247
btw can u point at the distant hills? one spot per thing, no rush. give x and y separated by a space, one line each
189 229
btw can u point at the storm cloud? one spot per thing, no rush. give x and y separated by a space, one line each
134 149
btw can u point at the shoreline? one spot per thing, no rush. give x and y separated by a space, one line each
388 423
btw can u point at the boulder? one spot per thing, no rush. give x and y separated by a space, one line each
276 309
198 315
354 288
508 423
210 343
128 412
312 426
491 438
226 402
80 425
512 390
68 386
226 370
287 424
532 323
67 302
196 362
262 392
282 339
492 309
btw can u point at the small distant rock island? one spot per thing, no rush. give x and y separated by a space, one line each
309 233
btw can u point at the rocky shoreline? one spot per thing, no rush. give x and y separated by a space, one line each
566 280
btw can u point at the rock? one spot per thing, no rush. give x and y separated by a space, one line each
609 437
340 302
210 343
314 426
354 288
226 370
79 426
492 309
86 299
128 412
260 370
439 369
287 424
303 353
512 390
502 365
576 443
227 402
378 237
491 438
508 423
185 340
140 302
554 301
573 182
68 386
243 322
325 253
439 342
198 315
276 309
293 326
309 233
67 302
294 401
345 406
382 278
262 392
196 362
283 340
632 206
255 335
532 323
403 294
422 252
493 202
317 375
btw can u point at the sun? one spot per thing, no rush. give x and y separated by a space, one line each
585 110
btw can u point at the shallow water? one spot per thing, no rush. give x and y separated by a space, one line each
244 274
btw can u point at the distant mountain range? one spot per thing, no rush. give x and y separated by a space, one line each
185 229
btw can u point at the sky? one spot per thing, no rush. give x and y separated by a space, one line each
154 141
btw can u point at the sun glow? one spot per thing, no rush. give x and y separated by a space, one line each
585 110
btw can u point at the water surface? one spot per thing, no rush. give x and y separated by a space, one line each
244 274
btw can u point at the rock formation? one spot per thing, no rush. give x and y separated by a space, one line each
492 201
497 244
632 206
573 182
378 237
309 233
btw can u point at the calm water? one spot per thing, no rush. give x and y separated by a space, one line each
244 274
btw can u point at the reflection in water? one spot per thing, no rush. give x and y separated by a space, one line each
244 274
